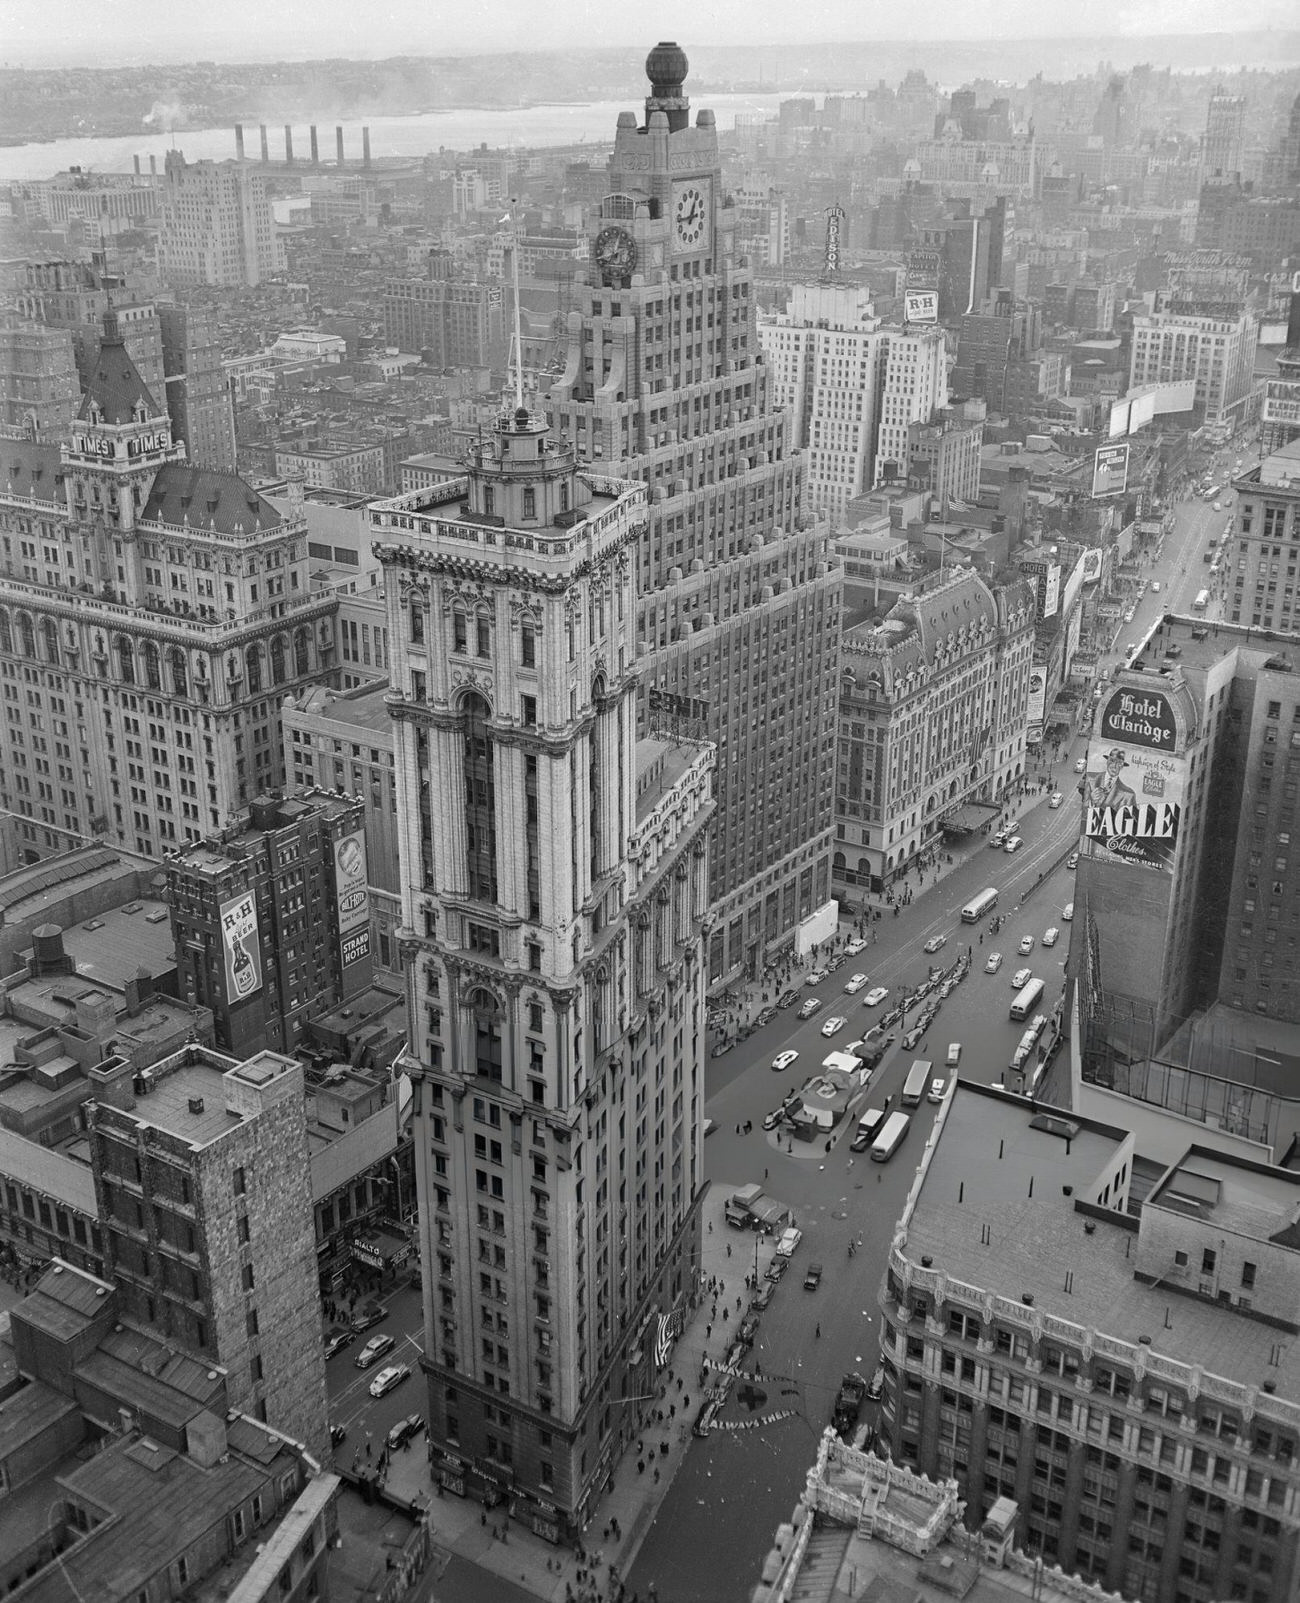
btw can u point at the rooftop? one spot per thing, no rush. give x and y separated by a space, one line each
990 1211
365 708
188 1101
115 945
205 499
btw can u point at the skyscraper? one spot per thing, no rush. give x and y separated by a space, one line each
554 874
197 395
739 603
216 224
916 386
1225 135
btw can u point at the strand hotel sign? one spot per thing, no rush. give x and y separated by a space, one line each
1133 798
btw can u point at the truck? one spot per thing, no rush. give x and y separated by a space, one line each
738 1210
848 1403
917 1082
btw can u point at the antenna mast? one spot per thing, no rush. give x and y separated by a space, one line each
519 345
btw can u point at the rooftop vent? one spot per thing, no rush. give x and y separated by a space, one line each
1027 1297
196 1104
1067 1129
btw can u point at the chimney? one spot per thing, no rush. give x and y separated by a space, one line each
137 166
315 153
338 142
265 153
239 141
111 1082
365 147
288 145
138 990
153 166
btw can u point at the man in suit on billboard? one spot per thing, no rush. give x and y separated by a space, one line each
1107 789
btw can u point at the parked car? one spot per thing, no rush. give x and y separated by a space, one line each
935 942
709 1411
1055 799
868 1125
938 1088
856 945
1072 861
1067 912
815 976
788 1241
747 1330
993 962
998 841
771 1120
776 1269
848 1402
877 1386
787 999
1021 978
913 1036
1155 587
813 1277
374 1350
875 996
404 1430
855 983
722 1048
834 1024
837 962
765 1016
763 1293
1026 945
947 988
783 1060
954 1054
386 1379
810 1007
1051 936
371 1313
1081 765
1013 844
337 1340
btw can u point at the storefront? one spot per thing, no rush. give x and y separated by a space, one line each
449 1471
382 1252
542 1519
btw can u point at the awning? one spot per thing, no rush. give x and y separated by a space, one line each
967 818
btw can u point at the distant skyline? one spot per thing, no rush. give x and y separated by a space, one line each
128 32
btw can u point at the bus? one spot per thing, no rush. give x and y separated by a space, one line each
917 1082
1202 601
1026 1001
891 1133
975 909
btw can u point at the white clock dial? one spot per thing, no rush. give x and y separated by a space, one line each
690 216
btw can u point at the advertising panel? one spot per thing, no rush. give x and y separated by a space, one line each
1119 415
1177 397
1142 412
1092 560
1133 791
1281 401
1037 698
1109 470
352 896
1051 589
921 306
239 942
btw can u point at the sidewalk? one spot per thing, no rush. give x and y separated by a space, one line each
462 1526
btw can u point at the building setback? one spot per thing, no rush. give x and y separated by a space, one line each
739 600
554 875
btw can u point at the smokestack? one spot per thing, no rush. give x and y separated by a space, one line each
365 147
239 141
153 166
315 154
266 156
137 166
338 142
288 145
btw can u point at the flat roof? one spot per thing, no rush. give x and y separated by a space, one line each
975 1216
1221 638
676 756
29 1411
122 943
166 1106
367 710
1258 1203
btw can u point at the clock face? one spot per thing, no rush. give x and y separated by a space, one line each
690 215
615 254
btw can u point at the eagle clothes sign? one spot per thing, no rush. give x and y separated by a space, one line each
1133 800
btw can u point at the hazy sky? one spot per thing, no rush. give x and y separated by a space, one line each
110 32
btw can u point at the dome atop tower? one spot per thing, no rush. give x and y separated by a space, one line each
666 67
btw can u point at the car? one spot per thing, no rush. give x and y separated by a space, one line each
810 1007
371 1313
788 1241
935 942
747 1329
1021 978
776 1269
812 1277
338 1434
877 1384
913 1036
855 983
709 1411
856 945
947 988
403 1431
1067 912
937 1090
1013 844
1072 861
374 1350
993 962
868 1127
815 976
1081 765
765 1016
834 1025
337 1340
783 1060
1155 587
763 1293
998 841
875 996
1051 936
837 962
387 1378
722 1048
787 999
848 1402
1055 800
771 1120
1131 647
954 1054
1026 945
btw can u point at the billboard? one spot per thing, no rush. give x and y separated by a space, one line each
1139 718
921 306
1119 416
1051 590
1109 470
352 897
239 942
1133 795
1144 410
1037 699
1281 401
1092 560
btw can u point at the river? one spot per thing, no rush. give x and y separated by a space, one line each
461 129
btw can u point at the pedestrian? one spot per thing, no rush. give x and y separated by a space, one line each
818 1331
728 1249
711 1221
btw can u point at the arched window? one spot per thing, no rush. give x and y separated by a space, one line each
6 633
487 1035
417 620
180 673
125 660
152 665
480 801
253 662
50 631
26 634
301 653
277 660
564 495
530 501
837 862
